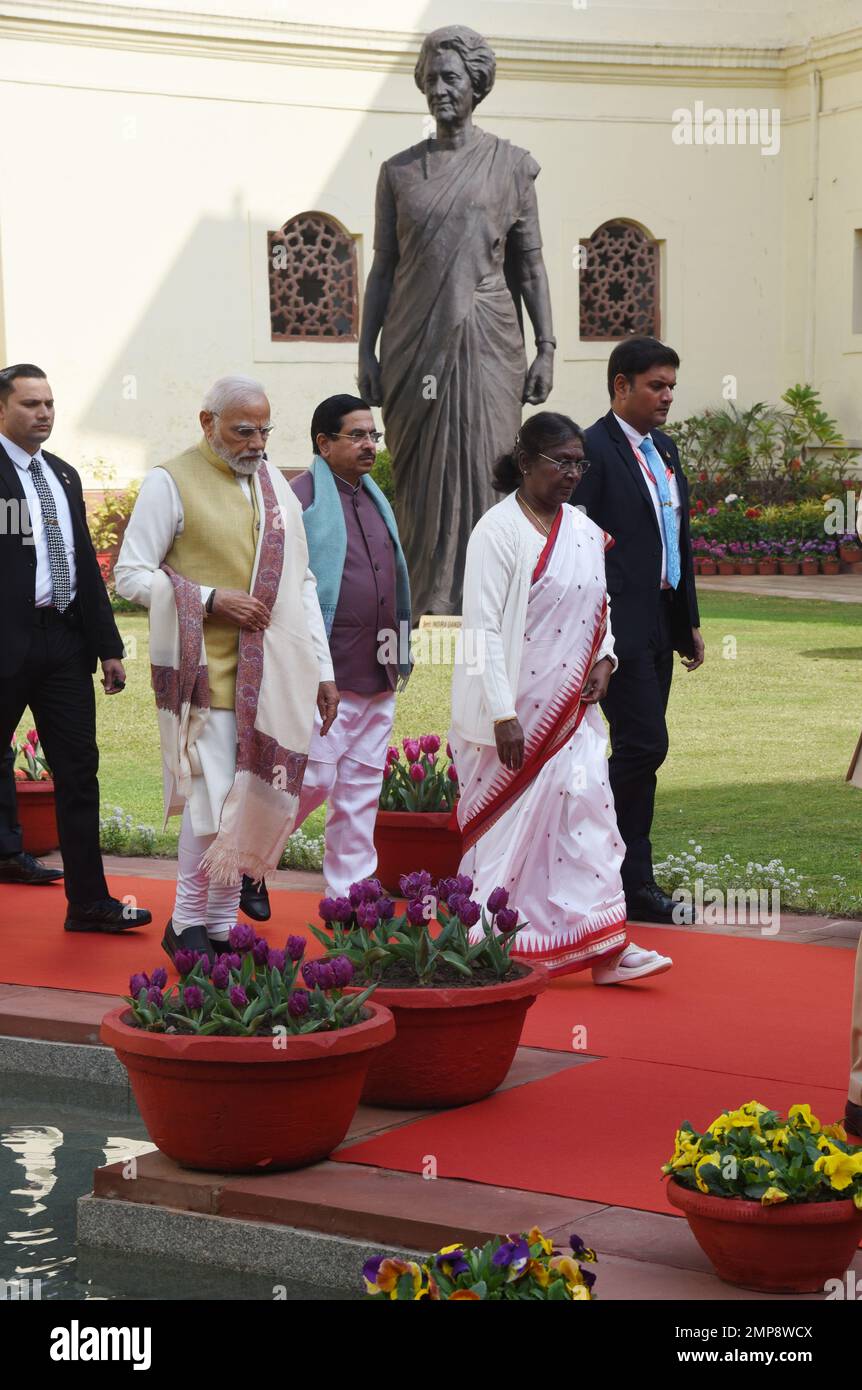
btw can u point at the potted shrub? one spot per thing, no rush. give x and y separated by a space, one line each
849 549
745 561
810 557
414 822
708 564
459 1004
776 1204
830 562
239 1069
723 559
789 556
107 522
525 1266
767 558
34 785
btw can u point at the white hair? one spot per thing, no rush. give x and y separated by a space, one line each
231 390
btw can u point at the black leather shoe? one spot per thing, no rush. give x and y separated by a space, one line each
23 868
651 904
853 1119
189 939
109 915
254 900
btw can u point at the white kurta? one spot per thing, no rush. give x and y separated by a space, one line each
155 523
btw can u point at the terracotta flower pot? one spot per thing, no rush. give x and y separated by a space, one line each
830 566
37 814
415 837
241 1105
747 567
106 563
707 567
810 566
850 554
767 567
789 566
726 567
453 1046
791 1248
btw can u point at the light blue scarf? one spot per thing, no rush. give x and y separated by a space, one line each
326 534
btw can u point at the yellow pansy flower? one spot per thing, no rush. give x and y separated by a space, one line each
753 1107
715 1160
772 1196
535 1237
801 1115
839 1168
539 1273
857 1199
835 1132
685 1154
742 1119
777 1137
580 1293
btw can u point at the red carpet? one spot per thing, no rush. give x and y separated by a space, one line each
730 1005
599 1131
37 951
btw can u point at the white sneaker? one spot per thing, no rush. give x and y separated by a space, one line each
633 963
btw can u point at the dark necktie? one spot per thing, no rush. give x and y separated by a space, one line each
61 583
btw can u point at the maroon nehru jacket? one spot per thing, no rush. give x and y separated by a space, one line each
366 602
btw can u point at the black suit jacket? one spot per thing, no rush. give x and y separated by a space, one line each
615 495
18 574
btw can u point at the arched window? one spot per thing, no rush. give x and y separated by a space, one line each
312 280
619 283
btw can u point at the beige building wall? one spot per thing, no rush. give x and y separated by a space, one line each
157 148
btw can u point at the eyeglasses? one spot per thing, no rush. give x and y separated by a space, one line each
578 466
357 436
247 432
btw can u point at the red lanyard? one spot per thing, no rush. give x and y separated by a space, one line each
646 468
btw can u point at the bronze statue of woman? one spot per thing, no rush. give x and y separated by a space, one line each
456 247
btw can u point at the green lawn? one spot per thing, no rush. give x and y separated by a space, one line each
760 741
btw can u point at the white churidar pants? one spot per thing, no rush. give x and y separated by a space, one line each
198 900
345 769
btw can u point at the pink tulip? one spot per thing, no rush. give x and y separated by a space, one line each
451 773
429 743
33 737
411 748
417 773
392 754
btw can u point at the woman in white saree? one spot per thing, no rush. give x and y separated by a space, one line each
536 809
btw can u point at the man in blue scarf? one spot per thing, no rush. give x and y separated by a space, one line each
355 555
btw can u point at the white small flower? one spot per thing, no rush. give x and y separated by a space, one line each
732 497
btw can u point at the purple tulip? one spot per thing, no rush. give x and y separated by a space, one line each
159 977
193 997
343 909
205 963
309 973
233 960
498 898
221 973
326 909
185 961
507 919
469 911
242 937
260 950
445 888
297 1003
367 915
355 894
430 744
325 975
372 889
137 983
416 885
465 884
238 997
342 969
295 948
417 773
411 749
155 996
275 960
386 908
416 912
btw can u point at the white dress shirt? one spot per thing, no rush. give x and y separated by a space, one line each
156 521
636 439
21 460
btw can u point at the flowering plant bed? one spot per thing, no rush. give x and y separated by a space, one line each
237 1069
459 1006
37 807
33 766
521 1267
420 783
775 1203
